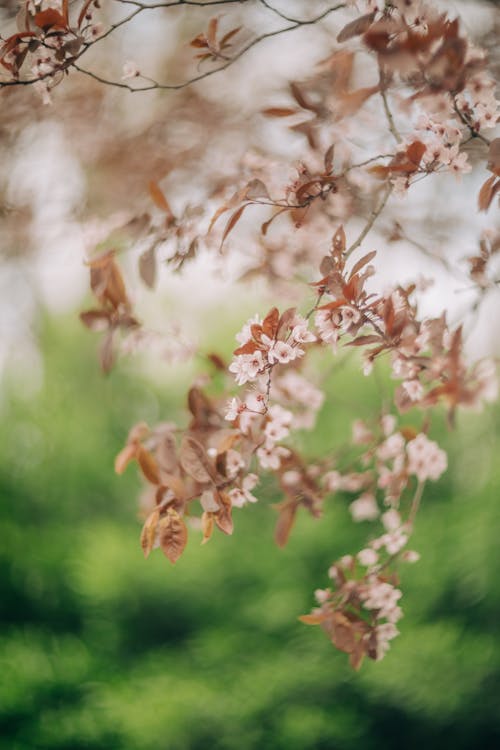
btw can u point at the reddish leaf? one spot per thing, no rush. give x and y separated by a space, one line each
95 320
195 461
270 323
107 352
225 39
301 100
316 619
125 456
172 535
286 520
233 220
148 533
265 226
148 465
494 157
329 159
249 348
279 111
212 33
486 193
339 242
207 526
83 11
362 262
223 517
415 151
49 19
255 189
175 484
158 198
200 407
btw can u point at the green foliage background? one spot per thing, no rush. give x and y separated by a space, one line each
100 649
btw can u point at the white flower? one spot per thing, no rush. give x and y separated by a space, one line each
300 332
365 508
233 409
247 366
391 520
130 70
414 389
426 460
367 557
270 458
392 447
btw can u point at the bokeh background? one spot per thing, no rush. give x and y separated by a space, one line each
101 649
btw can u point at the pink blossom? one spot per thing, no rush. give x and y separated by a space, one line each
365 508
425 459
247 366
367 557
130 70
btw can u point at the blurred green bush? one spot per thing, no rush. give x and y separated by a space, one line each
100 649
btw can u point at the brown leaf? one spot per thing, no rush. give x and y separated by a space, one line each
265 226
148 533
147 267
172 535
315 619
95 320
270 323
107 353
248 348
329 159
49 19
158 198
339 243
286 519
83 11
279 111
343 635
200 42
148 465
362 262
223 517
233 220
357 655
200 407
207 526
175 484
195 461
415 151
301 100
212 33
356 27
256 189
225 39
125 456
494 157
487 193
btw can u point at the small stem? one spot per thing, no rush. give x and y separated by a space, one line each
390 119
415 504
371 221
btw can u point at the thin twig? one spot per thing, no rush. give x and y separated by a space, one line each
371 221
390 119
415 504
195 79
